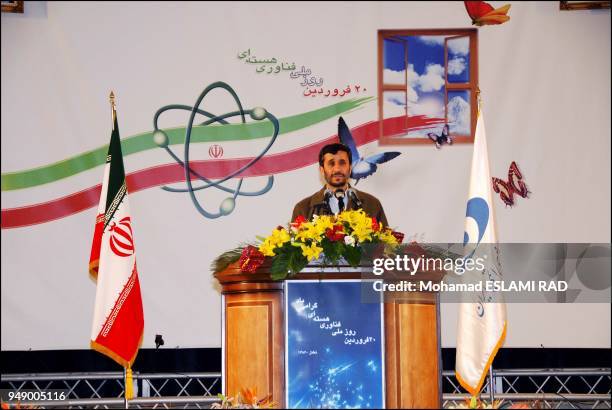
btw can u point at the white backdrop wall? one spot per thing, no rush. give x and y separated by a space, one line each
545 81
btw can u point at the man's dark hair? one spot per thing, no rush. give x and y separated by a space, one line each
333 149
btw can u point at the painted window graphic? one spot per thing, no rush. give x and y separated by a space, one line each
427 78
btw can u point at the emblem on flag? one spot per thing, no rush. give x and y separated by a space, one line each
121 242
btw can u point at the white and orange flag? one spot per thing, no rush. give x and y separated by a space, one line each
481 326
118 320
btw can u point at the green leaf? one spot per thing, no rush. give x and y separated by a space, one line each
353 255
278 275
331 251
297 262
288 262
339 248
280 266
226 259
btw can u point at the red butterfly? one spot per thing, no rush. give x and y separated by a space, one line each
515 185
483 13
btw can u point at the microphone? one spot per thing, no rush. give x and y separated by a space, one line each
353 196
322 208
159 341
339 194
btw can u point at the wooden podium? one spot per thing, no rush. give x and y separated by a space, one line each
254 336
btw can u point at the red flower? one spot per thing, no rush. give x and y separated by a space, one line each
375 225
250 259
398 235
335 234
299 220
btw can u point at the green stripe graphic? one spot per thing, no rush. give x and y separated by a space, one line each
143 142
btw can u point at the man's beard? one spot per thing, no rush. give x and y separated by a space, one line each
337 184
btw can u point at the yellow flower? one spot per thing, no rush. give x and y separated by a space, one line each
266 248
279 237
310 231
386 237
349 216
324 222
360 224
311 252
363 233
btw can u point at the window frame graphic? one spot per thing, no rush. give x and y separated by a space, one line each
471 86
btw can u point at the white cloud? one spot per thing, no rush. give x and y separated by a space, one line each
395 97
456 65
459 46
434 69
398 77
394 77
422 132
428 106
432 40
299 307
395 104
433 79
412 75
296 335
413 96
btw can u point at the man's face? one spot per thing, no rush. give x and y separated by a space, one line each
336 169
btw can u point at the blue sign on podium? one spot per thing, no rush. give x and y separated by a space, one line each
334 356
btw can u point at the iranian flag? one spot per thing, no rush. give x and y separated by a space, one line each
118 319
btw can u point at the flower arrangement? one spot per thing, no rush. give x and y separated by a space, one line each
475 403
18 405
327 237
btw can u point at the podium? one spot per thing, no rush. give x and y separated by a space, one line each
254 335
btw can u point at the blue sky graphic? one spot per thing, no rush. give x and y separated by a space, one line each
323 370
426 91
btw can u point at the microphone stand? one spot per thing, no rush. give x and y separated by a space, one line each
322 208
355 199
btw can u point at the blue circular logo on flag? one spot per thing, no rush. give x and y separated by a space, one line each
477 209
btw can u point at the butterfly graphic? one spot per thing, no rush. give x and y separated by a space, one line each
362 167
443 138
483 14
515 185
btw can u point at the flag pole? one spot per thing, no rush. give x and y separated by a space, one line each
125 383
111 98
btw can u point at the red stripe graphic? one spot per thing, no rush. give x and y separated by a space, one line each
212 169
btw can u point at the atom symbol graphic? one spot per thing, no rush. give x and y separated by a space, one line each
161 139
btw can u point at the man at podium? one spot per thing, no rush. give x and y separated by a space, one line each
335 164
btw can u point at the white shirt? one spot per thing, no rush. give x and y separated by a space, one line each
334 203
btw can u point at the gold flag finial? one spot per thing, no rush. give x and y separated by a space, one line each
111 98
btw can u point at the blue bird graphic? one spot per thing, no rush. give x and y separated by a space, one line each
362 167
